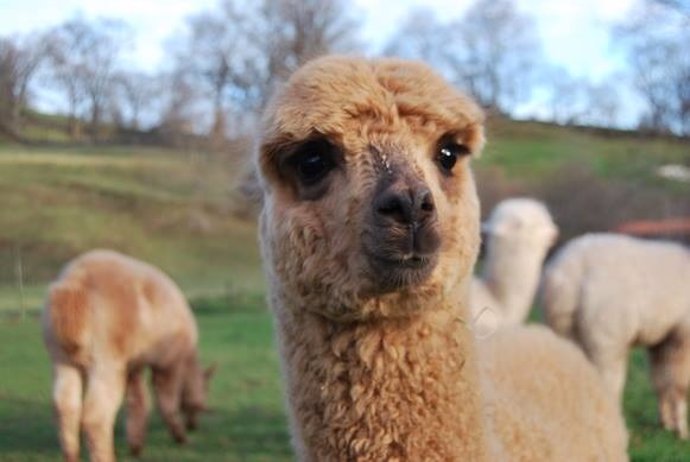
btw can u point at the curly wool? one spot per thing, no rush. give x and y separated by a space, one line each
395 376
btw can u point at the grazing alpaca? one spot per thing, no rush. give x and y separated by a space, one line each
610 292
107 318
369 231
520 232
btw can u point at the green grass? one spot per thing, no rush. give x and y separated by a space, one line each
648 442
176 210
181 212
532 151
246 421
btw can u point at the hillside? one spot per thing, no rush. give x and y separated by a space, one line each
592 180
177 210
182 211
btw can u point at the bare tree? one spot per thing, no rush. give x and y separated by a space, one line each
656 37
239 53
602 104
422 36
221 56
135 92
20 58
84 57
178 106
292 32
492 50
501 52
566 95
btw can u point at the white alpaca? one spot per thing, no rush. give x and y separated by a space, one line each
520 232
610 292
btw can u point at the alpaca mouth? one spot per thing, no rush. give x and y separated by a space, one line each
409 261
391 272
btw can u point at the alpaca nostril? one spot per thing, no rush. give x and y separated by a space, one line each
425 202
406 207
396 206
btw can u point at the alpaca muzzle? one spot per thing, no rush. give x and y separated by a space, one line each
403 240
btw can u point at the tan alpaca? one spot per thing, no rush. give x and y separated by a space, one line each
107 318
369 231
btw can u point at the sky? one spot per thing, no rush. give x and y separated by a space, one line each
574 34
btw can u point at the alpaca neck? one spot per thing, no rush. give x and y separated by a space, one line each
511 273
382 390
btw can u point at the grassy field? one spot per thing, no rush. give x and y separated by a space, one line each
181 212
532 151
247 422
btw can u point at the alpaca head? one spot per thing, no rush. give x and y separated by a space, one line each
195 391
523 223
369 202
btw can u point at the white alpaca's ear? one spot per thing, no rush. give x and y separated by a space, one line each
553 234
500 228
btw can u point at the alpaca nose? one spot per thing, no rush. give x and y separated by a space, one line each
405 205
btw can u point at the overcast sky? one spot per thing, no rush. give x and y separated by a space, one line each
574 33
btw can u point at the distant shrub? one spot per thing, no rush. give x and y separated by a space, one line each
582 201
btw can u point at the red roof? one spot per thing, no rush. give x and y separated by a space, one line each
655 227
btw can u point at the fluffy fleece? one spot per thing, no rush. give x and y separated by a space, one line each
610 292
369 231
107 318
519 233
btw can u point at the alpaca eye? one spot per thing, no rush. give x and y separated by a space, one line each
449 153
313 161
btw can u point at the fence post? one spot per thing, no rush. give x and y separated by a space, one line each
19 273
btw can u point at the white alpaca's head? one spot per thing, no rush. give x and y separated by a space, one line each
522 223
369 202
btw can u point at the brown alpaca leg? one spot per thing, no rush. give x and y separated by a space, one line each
138 408
168 386
665 409
104 390
67 389
670 369
680 414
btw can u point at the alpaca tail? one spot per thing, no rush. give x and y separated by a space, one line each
69 314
